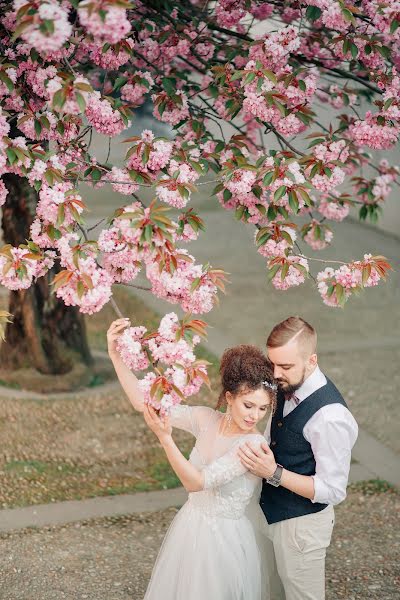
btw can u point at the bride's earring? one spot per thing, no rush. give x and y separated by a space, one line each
228 418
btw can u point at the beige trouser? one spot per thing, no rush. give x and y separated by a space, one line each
296 550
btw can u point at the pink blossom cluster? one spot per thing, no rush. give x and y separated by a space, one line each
57 204
120 247
294 276
130 347
137 86
37 35
172 190
103 117
71 106
121 181
111 27
279 45
174 111
241 181
318 236
334 210
112 59
160 152
139 351
325 183
176 287
331 151
229 12
369 133
17 272
95 295
3 192
337 285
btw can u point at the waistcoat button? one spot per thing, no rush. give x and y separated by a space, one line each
273 443
280 424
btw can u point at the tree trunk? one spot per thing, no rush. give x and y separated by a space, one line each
43 327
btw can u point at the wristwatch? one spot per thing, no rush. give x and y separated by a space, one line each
275 479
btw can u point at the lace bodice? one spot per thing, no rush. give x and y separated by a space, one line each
228 486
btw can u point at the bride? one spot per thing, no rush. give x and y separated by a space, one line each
210 550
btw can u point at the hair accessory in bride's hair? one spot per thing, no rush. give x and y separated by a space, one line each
271 386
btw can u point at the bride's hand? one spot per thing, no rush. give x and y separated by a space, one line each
113 333
160 425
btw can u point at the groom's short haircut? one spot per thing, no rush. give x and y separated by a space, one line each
291 328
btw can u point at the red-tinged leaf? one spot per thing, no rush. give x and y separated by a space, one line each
80 288
32 256
87 280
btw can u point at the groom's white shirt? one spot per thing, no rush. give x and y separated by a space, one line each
332 432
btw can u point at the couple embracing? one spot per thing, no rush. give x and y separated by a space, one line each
259 515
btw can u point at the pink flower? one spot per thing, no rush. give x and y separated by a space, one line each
318 236
324 183
77 292
3 192
101 115
295 276
45 39
333 210
111 27
173 111
57 205
121 181
369 133
129 346
241 181
18 272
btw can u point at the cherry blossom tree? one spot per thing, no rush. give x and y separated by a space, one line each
232 79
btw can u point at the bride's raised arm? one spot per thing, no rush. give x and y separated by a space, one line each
127 379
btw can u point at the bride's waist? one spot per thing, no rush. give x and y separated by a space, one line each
213 504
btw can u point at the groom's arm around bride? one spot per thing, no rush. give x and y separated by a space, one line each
304 463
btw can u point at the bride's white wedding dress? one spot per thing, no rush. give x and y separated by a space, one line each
210 550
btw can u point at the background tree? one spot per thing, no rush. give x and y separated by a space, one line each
231 78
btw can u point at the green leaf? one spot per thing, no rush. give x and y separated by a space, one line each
281 191
268 178
227 195
293 201
7 81
81 102
96 174
302 85
313 13
353 50
37 127
239 212
394 26
169 85
273 271
12 157
285 270
271 212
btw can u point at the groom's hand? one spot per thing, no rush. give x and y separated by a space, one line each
258 460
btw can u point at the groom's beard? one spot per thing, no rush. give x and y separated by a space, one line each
291 388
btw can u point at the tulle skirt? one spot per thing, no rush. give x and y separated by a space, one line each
207 557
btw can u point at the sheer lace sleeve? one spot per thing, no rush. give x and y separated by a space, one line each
228 467
191 418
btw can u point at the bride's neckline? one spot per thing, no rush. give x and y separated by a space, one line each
232 435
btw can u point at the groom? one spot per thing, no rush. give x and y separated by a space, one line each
306 465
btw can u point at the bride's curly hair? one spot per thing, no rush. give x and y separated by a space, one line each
243 369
